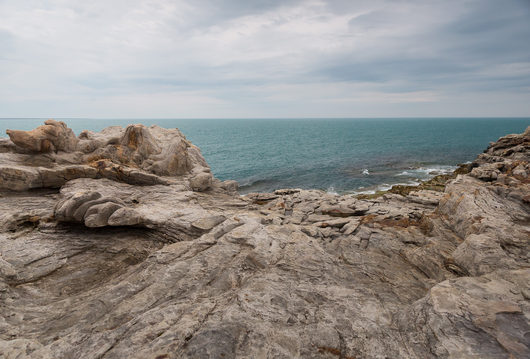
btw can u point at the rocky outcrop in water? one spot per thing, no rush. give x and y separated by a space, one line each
127 247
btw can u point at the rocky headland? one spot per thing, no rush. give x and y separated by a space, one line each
122 244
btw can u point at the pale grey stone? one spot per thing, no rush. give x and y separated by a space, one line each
128 262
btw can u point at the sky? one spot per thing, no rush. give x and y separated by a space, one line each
264 59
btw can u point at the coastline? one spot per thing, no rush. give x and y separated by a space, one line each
435 183
122 243
325 154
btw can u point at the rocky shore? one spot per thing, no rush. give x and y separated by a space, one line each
122 244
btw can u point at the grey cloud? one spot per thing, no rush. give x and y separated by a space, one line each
6 44
256 55
216 12
395 69
461 50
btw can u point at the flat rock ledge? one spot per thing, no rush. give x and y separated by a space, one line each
121 244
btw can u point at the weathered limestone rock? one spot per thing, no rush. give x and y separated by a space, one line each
101 203
201 182
493 326
136 155
52 136
339 211
261 198
230 186
143 254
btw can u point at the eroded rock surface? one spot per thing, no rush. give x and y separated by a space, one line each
129 248
51 155
52 136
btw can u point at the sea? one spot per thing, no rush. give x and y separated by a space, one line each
347 155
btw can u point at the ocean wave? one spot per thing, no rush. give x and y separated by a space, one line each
430 171
384 187
374 189
409 177
258 185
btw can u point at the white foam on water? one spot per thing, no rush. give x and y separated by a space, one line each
365 172
371 191
385 187
426 172
331 190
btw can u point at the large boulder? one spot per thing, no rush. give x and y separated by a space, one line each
53 136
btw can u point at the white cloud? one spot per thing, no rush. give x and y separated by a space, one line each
170 58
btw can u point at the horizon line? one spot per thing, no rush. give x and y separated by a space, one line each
265 118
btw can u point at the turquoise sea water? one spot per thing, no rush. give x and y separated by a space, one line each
337 155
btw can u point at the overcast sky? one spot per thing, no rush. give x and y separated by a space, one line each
278 58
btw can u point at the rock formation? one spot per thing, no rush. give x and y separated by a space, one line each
51 155
127 247
52 136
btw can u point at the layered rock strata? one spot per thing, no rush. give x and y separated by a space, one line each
51 155
127 247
